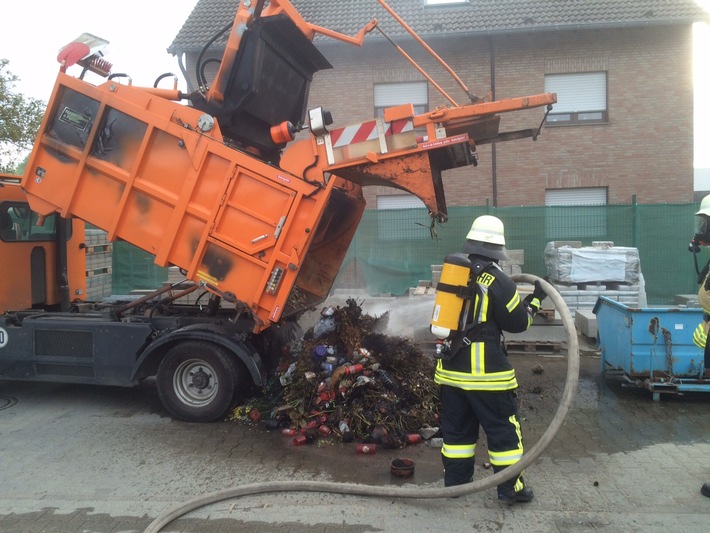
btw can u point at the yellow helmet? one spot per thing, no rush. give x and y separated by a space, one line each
487 238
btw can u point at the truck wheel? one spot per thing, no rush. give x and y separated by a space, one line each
197 380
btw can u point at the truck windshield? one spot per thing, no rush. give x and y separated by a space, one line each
18 223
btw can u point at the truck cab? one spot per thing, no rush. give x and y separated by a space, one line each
29 256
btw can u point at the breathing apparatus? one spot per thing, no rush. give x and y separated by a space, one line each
452 293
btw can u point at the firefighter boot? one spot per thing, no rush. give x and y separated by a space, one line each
705 489
508 494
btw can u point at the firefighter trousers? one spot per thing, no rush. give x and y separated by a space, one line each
462 413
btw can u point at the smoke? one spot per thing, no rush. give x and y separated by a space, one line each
407 317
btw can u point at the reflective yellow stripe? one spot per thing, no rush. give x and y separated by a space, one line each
513 303
505 375
509 457
478 385
478 365
483 307
505 458
700 338
458 451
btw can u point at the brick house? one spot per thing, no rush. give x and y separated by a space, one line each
623 124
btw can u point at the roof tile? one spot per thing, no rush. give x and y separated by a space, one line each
474 16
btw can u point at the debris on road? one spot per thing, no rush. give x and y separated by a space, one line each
348 381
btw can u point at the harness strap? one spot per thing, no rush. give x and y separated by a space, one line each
466 292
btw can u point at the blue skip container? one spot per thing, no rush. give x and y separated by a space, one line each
651 348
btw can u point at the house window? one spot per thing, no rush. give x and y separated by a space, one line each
388 95
393 94
398 201
575 213
581 98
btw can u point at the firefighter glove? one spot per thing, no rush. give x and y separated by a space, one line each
534 300
694 245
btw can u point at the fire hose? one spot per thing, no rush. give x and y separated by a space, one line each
354 489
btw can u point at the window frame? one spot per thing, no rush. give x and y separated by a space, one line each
580 117
419 108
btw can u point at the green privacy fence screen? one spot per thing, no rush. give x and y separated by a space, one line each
394 249
134 269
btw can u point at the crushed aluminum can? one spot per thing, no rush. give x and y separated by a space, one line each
366 449
300 440
414 438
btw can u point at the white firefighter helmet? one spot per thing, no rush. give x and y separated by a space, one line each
486 238
704 206
702 217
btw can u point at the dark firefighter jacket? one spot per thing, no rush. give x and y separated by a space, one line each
483 364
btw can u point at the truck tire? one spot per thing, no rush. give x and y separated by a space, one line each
197 381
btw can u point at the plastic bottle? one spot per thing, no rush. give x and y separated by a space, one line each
353 369
319 352
285 379
324 326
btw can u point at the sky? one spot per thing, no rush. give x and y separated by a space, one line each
139 32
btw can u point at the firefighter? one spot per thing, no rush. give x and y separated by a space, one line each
702 238
477 380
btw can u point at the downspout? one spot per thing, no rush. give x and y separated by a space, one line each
494 164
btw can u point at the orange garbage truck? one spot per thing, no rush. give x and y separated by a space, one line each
251 194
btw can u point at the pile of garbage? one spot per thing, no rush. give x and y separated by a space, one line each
347 381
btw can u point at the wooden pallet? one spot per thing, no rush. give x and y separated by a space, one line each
98 271
99 248
533 347
547 314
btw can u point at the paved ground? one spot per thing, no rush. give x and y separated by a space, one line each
90 459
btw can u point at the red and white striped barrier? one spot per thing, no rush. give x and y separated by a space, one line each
366 131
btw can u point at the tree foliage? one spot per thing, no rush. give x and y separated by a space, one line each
20 118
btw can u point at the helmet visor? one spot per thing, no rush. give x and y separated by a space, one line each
702 226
